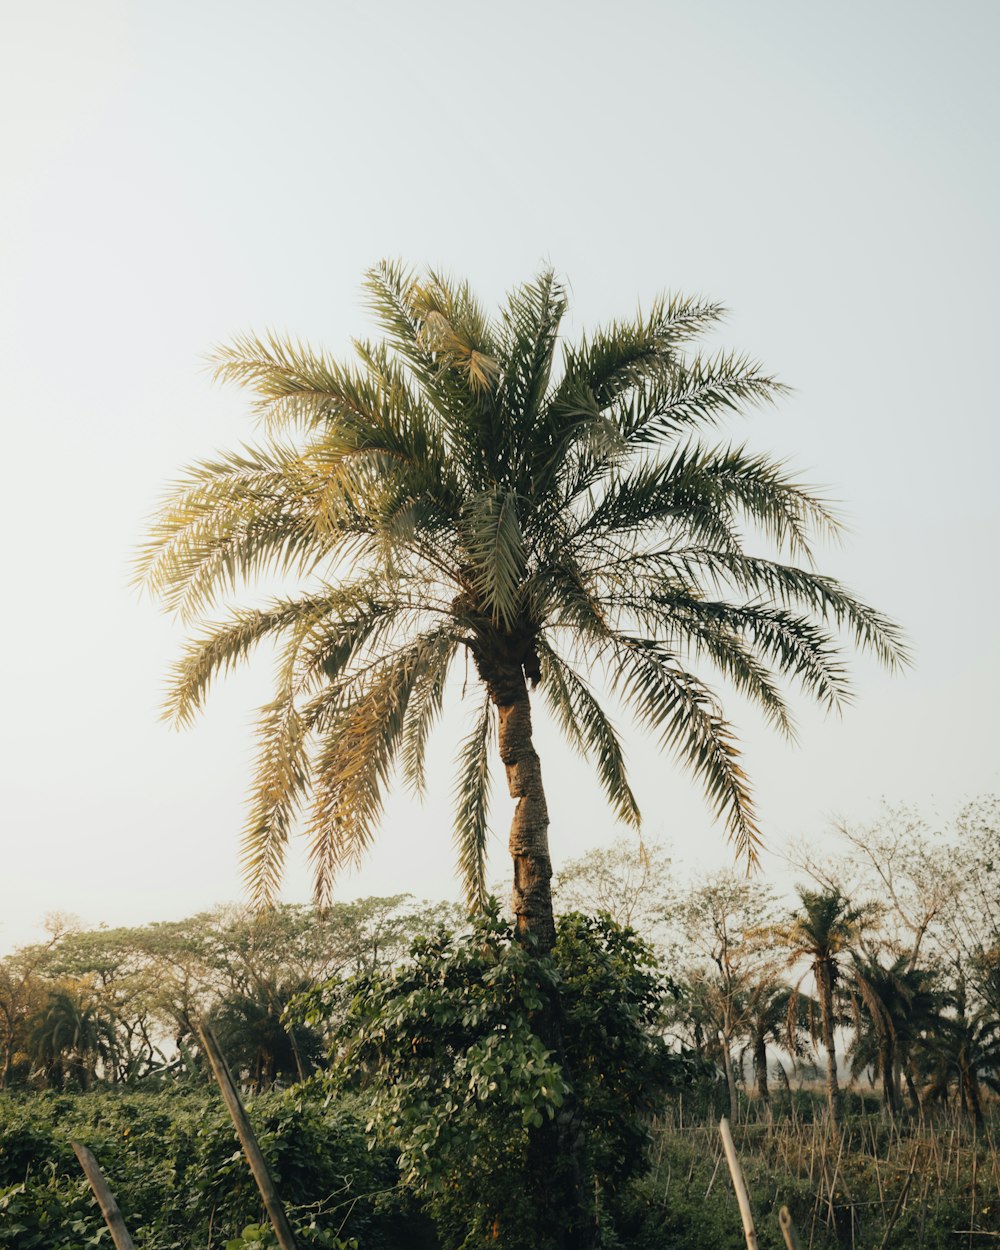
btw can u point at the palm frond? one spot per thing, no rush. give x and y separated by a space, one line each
360 739
827 598
696 391
230 520
422 713
531 322
224 646
586 726
281 779
492 534
618 357
472 802
685 713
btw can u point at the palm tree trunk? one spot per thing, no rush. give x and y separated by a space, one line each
555 1150
825 985
886 1064
897 1079
529 828
911 1087
970 1091
727 1063
760 1071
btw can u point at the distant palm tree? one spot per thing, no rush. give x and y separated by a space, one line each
561 525
771 1014
898 1005
824 930
65 1039
259 1043
964 1049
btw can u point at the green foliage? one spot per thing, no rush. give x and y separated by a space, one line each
448 1052
117 1006
175 1165
464 488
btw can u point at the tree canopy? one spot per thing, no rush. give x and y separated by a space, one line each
561 514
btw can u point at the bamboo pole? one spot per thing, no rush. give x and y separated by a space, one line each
739 1185
105 1198
788 1230
248 1139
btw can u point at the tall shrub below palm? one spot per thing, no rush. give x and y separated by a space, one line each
555 514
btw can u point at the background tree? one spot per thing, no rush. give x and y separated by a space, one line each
555 521
826 928
964 1051
725 925
772 1014
21 992
259 1043
630 880
911 871
67 1038
898 1005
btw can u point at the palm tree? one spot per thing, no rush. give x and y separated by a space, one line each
964 1048
773 1014
826 928
566 526
66 1039
258 1041
899 1006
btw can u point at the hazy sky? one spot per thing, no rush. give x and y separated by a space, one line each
176 173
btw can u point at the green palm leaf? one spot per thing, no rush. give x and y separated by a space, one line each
558 515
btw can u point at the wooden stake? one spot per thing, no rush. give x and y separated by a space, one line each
105 1198
248 1139
742 1197
788 1229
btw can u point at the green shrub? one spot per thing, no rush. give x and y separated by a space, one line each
175 1165
453 1051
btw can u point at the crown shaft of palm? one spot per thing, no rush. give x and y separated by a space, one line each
565 524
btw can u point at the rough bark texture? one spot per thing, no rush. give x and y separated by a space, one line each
885 1063
555 1150
727 1062
529 828
825 982
760 1071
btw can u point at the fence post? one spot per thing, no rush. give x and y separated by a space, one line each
105 1198
739 1184
248 1139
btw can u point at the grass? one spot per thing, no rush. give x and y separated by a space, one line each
872 1184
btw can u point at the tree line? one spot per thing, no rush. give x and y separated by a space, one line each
884 968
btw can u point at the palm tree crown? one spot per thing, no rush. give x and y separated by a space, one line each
563 523
826 929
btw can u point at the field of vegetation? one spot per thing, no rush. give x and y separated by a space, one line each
475 493
392 1066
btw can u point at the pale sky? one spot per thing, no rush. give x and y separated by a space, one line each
174 174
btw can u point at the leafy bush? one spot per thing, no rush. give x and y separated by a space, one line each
454 1053
174 1162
